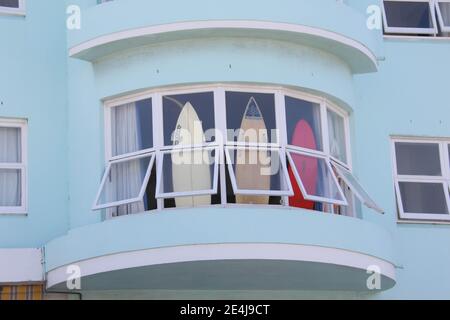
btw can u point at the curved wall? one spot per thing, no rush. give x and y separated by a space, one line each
326 15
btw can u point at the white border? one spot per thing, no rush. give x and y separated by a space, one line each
221 24
258 192
220 252
310 197
444 179
160 194
404 30
139 198
444 28
22 166
20 11
366 200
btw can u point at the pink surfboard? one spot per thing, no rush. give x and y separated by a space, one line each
307 167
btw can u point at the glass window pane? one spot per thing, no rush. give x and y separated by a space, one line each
131 126
189 119
125 180
257 173
420 197
251 117
10 187
303 124
189 171
10 145
336 132
9 3
316 177
408 14
356 187
418 159
445 12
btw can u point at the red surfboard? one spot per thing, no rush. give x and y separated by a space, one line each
307 167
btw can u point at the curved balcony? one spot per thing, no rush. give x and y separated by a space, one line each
333 27
223 248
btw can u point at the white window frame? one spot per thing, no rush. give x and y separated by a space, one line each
169 195
22 166
310 197
444 179
140 197
219 90
444 28
366 200
403 30
20 11
256 192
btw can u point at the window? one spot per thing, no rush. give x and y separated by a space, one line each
256 164
188 166
409 17
16 7
214 145
443 11
422 177
125 186
13 179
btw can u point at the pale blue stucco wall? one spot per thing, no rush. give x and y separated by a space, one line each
61 98
33 85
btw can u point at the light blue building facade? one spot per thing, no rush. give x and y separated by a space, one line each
87 173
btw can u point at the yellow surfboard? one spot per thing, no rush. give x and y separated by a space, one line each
250 162
193 174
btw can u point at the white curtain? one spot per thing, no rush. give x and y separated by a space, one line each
10 179
126 177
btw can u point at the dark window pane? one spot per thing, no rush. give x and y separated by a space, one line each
251 117
9 3
303 124
187 113
401 14
423 198
418 159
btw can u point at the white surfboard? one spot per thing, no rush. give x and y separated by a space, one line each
248 174
194 176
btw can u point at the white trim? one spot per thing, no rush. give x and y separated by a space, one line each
19 11
220 252
22 166
221 24
259 192
159 176
305 193
98 206
444 27
405 30
366 200
443 179
21 266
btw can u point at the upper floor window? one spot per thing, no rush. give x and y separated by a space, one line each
422 177
212 145
416 17
13 180
12 7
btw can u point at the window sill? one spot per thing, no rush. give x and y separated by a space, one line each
424 222
414 37
14 212
13 12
